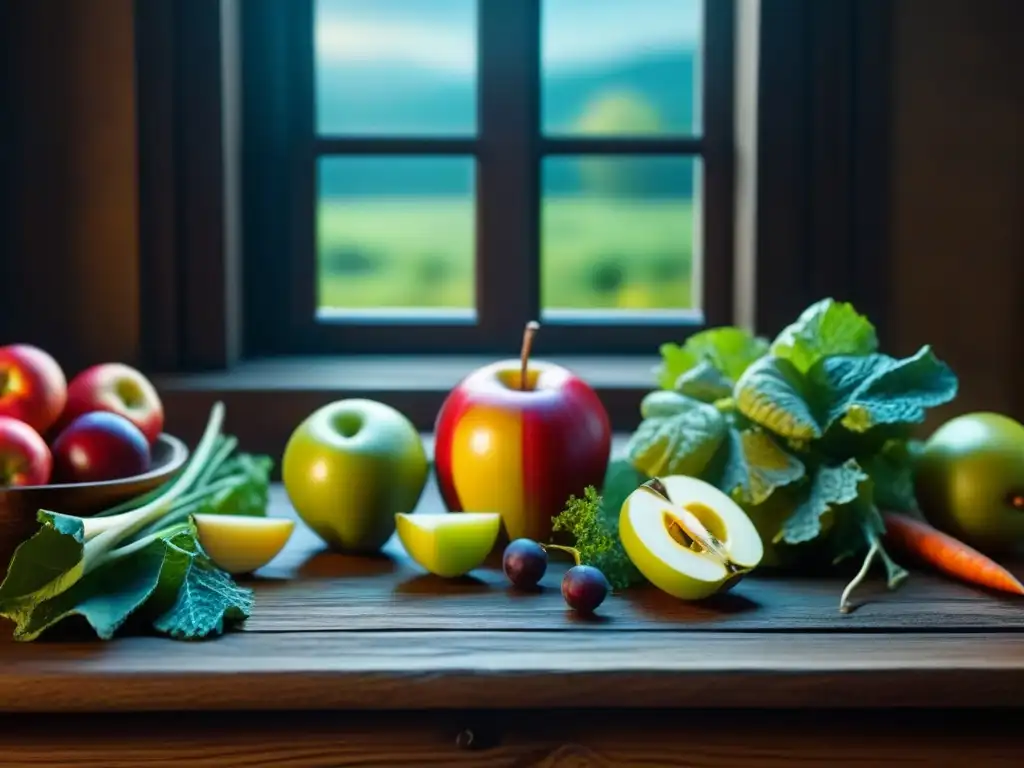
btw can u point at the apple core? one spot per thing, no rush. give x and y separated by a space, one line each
705 515
693 533
130 393
348 424
514 379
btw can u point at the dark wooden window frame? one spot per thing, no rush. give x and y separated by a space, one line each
822 123
509 149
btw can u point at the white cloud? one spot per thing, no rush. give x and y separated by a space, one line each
356 41
600 35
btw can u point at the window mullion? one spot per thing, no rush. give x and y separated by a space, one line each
507 259
717 201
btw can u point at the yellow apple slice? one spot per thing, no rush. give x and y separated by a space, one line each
687 537
242 544
448 545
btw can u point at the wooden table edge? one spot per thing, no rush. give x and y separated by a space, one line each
511 670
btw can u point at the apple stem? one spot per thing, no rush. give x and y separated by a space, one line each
571 550
524 355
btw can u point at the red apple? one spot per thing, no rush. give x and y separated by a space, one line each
33 388
120 389
99 446
24 456
518 438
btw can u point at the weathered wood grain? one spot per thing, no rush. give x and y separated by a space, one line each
443 670
653 739
308 588
333 632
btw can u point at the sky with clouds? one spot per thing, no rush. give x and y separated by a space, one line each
441 34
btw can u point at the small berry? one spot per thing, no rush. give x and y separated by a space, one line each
524 562
584 588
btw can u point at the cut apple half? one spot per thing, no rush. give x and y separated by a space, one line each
687 537
241 543
448 544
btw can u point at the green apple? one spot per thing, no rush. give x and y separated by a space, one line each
349 467
240 543
446 544
969 481
687 537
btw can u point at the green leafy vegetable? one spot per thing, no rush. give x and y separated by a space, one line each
831 487
729 350
704 382
825 328
864 392
593 522
207 599
678 436
141 557
109 595
892 473
621 479
770 393
862 522
755 465
815 433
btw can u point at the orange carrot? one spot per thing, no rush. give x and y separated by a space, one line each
946 554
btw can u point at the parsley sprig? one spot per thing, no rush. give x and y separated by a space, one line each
593 522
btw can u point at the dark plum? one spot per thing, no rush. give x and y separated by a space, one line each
584 588
524 562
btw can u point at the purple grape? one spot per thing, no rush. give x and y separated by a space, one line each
524 562
584 588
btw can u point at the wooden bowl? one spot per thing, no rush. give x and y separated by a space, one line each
19 505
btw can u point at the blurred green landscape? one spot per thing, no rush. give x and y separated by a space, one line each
616 231
595 254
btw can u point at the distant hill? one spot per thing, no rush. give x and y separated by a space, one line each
664 80
423 102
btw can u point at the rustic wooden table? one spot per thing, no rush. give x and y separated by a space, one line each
352 662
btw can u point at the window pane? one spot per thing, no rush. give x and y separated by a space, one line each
618 233
396 67
621 67
396 233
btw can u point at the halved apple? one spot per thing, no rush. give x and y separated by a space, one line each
240 543
687 537
448 545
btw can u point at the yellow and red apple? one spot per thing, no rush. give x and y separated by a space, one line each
115 388
25 458
97 447
518 437
33 388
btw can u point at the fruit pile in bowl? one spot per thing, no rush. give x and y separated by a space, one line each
132 530
106 425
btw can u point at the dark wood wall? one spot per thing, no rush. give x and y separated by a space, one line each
957 276
70 272
70 252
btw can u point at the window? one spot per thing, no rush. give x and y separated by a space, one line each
429 175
